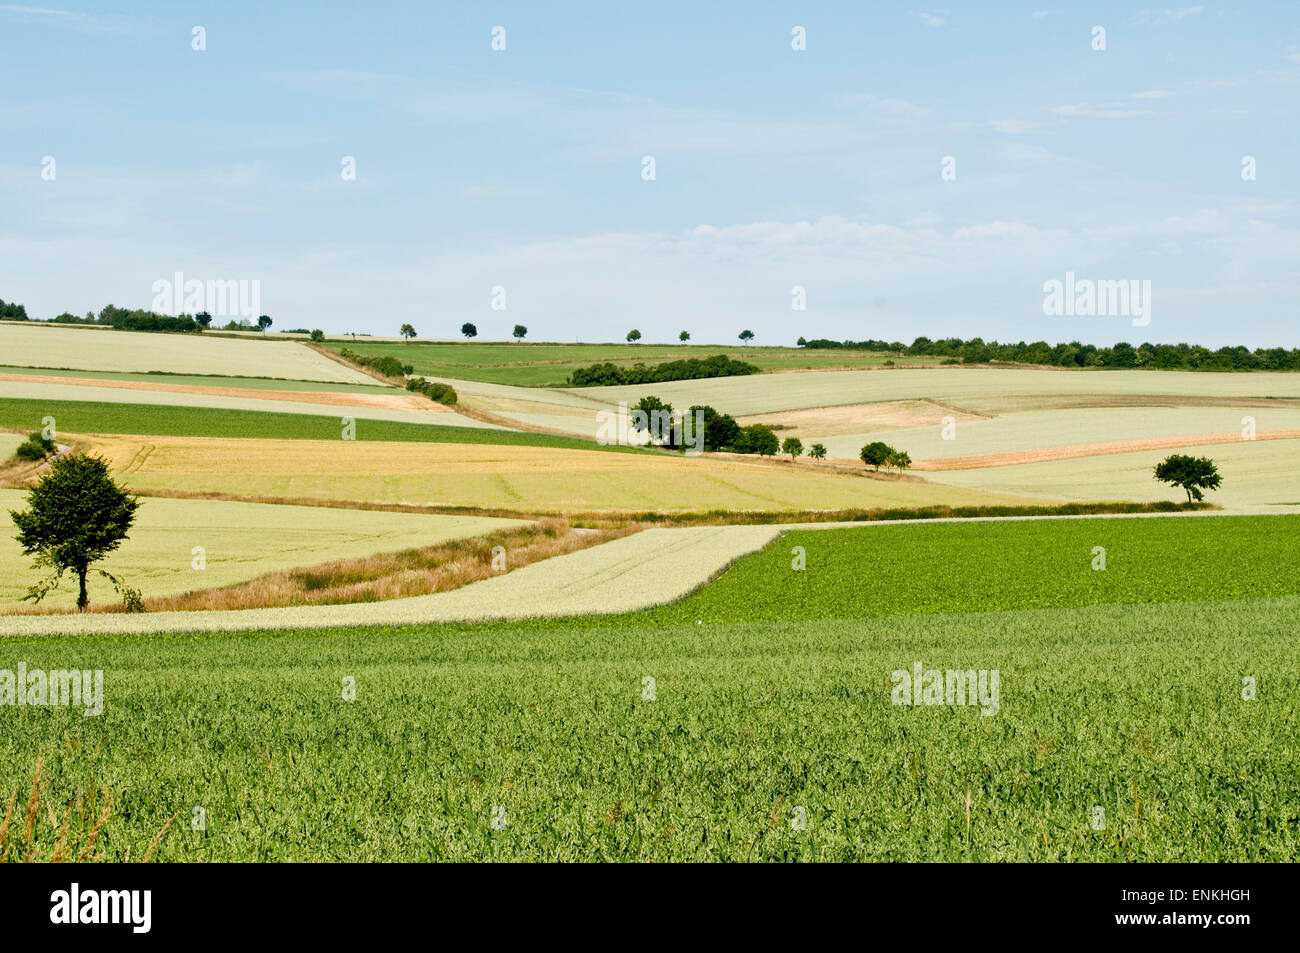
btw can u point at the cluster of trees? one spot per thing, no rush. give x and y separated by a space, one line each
1075 354
721 432
12 311
388 366
436 391
878 454
689 369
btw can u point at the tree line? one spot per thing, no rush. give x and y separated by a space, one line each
1189 357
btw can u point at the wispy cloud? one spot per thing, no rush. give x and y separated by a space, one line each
70 19
1167 15
931 19
1153 94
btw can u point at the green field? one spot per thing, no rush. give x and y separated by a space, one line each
89 417
1128 698
549 365
239 540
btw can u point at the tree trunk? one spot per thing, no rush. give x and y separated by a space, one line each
1189 494
83 600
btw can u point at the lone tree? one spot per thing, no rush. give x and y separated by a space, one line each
684 336
792 446
1193 474
408 331
77 515
264 322
520 332
746 335
633 336
204 319
469 330
817 451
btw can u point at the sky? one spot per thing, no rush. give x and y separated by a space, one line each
915 170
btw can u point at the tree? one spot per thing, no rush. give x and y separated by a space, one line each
684 336
633 336
318 335
263 321
898 459
792 446
658 418
746 335
758 438
817 451
407 331
77 515
520 332
469 330
876 454
801 342
1193 474
204 319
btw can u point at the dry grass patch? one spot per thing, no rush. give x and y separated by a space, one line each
411 572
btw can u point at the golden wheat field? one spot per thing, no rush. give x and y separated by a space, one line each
535 479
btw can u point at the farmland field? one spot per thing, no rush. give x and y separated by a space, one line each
1123 692
105 349
199 380
509 474
1257 475
239 540
549 365
88 417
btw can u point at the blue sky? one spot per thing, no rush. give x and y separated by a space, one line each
775 168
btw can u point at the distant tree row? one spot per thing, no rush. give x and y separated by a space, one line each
137 319
1075 354
694 368
12 311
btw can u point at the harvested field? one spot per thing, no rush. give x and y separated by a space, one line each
392 400
860 418
531 478
106 349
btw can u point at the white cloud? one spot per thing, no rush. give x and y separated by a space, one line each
1167 15
1098 111
1153 94
930 19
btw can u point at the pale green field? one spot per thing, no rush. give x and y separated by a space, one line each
1258 477
119 395
1059 428
104 349
241 540
8 444
768 393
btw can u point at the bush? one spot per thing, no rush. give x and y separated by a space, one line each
436 391
388 366
318 335
35 447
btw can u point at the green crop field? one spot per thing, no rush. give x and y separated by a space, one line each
549 365
683 733
89 417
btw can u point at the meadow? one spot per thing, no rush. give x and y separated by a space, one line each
92 348
549 365
683 734
239 541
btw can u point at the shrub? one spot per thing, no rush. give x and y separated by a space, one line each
690 369
436 391
388 366
318 335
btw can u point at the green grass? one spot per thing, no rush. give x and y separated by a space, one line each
549 365
954 567
203 380
88 417
1132 704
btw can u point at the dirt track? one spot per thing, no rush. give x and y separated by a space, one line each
1047 454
